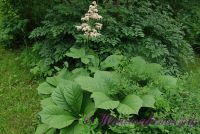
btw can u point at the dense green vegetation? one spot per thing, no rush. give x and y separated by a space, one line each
132 60
18 97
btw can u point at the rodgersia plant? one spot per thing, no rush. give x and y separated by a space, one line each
91 29
90 26
75 96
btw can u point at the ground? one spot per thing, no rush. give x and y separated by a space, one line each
19 101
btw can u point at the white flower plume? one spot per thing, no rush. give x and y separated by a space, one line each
89 27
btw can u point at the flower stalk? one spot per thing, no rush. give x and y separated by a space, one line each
90 25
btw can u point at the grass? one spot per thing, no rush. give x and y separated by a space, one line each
19 101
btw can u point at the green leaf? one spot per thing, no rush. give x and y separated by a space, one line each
79 72
108 77
130 105
169 82
107 80
52 81
45 129
102 81
138 65
103 101
66 75
56 117
51 131
46 102
45 88
89 108
76 128
148 101
155 92
76 53
111 61
81 129
85 60
63 74
93 69
69 96
153 70
94 60
42 128
89 84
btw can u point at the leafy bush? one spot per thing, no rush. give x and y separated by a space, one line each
188 13
11 26
190 17
57 29
135 28
183 105
18 18
70 93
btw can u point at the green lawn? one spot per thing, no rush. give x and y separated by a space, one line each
19 101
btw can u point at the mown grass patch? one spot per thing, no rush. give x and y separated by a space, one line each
19 101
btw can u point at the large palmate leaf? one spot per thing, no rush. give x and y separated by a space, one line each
69 96
46 102
76 128
76 53
45 129
155 92
169 82
138 63
52 81
88 107
89 84
153 70
85 60
148 101
109 78
42 128
51 131
111 61
79 72
102 81
45 88
80 54
63 74
130 105
56 117
104 102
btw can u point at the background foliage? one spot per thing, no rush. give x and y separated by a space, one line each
145 55
18 18
131 29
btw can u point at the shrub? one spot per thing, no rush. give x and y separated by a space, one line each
18 18
135 28
70 93
12 27
187 12
189 15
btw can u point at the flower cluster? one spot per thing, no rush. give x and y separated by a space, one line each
89 29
